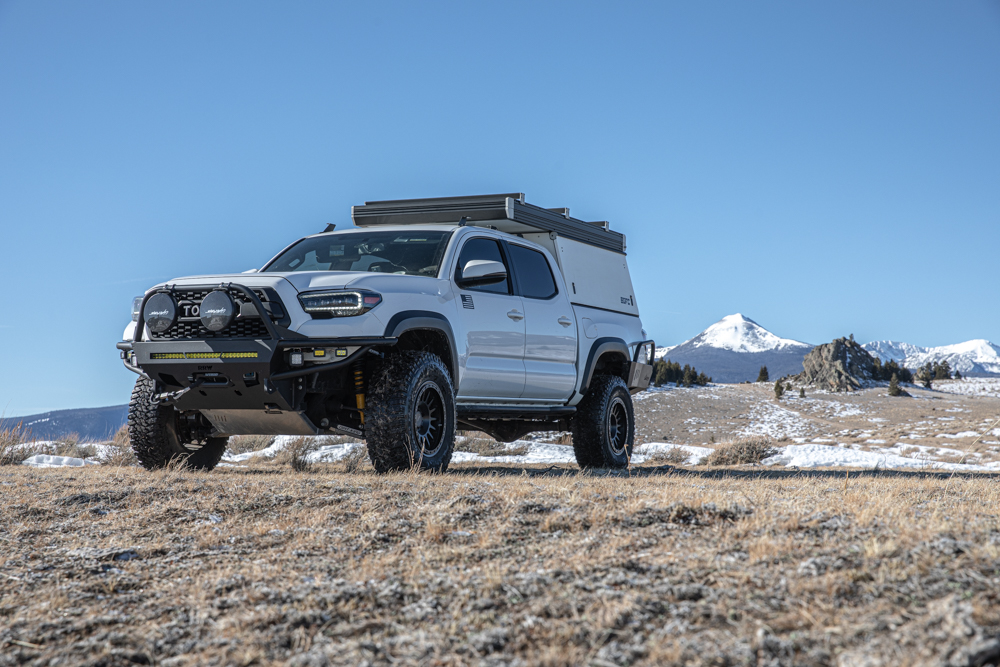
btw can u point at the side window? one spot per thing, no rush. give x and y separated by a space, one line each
483 249
533 273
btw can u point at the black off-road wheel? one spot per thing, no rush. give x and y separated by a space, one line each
410 420
155 436
604 425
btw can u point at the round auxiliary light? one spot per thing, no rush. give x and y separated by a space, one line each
217 310
160 312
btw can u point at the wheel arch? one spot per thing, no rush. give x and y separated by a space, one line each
412 328
606 354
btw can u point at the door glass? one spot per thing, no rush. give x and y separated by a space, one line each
534 276
487 249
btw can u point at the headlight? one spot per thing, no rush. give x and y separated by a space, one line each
339 303
136 306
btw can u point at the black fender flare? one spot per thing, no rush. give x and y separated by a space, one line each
409 320
597 350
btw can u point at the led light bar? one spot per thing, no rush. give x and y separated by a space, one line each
203 355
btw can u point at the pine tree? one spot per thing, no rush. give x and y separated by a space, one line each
689 376
925 375
763 376
958 374
779 389
802 392
894 386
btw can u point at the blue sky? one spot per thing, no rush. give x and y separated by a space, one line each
824 168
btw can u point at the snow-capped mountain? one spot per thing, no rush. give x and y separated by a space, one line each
734 348
974 357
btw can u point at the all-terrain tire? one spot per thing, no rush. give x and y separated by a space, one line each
410 420
604 425
152 430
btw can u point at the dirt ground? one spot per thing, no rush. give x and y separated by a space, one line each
866 419
498 566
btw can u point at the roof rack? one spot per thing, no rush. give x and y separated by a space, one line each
505 212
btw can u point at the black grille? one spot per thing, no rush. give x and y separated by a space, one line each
191 328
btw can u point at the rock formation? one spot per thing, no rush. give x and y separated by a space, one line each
842 365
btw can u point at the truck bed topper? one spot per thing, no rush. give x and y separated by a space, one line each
506 212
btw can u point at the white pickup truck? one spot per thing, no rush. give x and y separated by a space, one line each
483 313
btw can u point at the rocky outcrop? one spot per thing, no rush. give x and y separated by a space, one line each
842 365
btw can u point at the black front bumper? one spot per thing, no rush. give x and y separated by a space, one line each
238 374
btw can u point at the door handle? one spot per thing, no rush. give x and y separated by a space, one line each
565 321
515 315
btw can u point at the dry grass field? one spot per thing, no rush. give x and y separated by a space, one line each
259 564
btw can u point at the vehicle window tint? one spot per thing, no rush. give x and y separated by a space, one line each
534 276
488 249
416 253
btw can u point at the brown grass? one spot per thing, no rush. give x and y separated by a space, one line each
749 449
269 566
15 445
241 444
674 455
119 452
295 454
355 460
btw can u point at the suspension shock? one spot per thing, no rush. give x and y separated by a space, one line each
359 387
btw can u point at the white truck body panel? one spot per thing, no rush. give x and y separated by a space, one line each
597 278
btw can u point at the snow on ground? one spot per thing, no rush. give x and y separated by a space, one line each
643 453
823 456
47 461
327 449
775 421
970 387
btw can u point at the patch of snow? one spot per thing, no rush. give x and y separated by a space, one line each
970 387
963 434
48 461
824 456
643 453
538 452
773 420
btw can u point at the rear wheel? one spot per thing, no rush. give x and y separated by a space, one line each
158 439
410 419
604 425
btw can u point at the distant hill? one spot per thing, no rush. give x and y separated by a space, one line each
734 348
972 358
88 423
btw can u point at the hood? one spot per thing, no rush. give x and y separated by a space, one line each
305 281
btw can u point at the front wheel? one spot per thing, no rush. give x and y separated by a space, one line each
604 425
158 439
410 421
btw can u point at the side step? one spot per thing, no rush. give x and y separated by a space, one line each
519 412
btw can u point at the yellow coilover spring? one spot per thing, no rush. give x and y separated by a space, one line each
359 387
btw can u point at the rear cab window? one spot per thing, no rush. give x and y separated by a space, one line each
534 275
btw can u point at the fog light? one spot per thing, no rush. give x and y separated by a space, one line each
160 312
217 311
295 359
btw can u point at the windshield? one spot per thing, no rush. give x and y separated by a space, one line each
407 253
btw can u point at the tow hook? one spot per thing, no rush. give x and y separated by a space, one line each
170 396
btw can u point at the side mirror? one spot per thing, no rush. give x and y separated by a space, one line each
480 272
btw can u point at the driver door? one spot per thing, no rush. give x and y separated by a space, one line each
491 321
